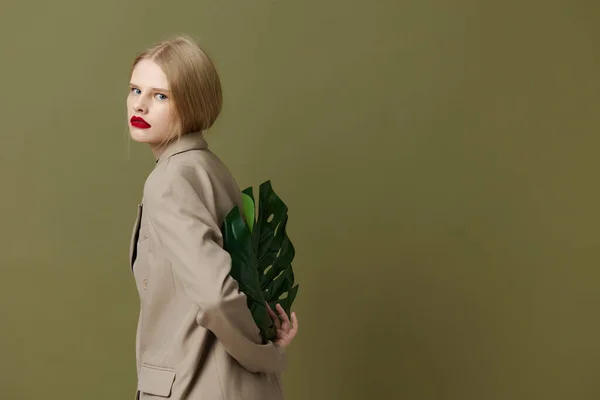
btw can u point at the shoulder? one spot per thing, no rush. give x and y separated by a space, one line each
192 180
197 170
172 173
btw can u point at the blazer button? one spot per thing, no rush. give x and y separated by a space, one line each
145 283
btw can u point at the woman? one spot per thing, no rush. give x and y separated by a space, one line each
196 338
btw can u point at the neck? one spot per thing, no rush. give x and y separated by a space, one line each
157 150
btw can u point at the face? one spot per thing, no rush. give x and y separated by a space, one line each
149 107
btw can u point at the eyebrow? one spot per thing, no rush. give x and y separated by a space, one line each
154 89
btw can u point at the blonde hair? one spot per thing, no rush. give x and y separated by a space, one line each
194 84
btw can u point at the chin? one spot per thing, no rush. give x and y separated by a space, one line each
141 135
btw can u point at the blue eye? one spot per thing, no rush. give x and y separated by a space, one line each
161 96
136 91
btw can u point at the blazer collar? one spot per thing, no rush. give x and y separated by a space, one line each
186 142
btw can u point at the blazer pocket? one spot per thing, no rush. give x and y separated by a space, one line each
156 381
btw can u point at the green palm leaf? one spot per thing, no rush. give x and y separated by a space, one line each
262 255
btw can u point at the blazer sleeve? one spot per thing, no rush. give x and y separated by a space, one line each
190 237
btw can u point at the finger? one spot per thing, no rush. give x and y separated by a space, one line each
284 317
293 330
294 322
274 316
282 314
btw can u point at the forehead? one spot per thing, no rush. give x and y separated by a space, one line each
148 73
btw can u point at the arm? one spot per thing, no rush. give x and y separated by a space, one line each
190 237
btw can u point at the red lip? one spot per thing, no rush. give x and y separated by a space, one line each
139 122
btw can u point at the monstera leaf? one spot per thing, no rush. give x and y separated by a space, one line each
261 255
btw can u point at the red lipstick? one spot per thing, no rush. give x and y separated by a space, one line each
139 122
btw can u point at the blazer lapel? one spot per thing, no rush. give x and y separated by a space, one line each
134 236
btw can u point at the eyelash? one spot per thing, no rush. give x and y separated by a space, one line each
135 91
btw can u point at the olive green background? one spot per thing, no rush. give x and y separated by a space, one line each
439 159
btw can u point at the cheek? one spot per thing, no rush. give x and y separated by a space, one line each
166 114
129 103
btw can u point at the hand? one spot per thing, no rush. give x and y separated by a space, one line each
285 331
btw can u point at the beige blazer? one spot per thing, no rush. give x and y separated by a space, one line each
196 338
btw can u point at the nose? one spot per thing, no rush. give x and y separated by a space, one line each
139 105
